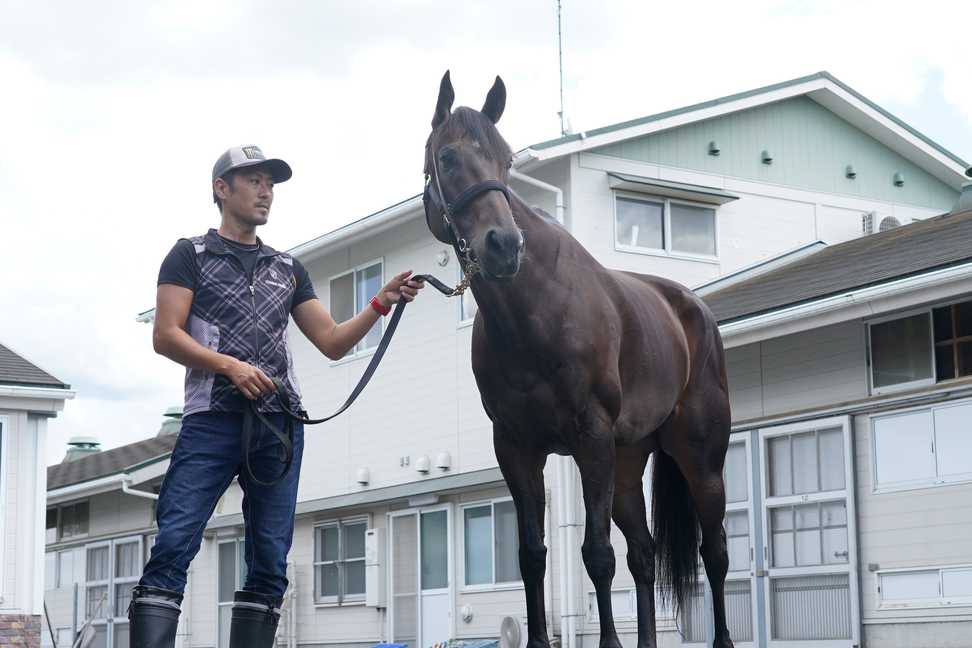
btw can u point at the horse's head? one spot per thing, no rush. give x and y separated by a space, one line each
467 168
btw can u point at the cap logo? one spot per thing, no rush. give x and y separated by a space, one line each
253 153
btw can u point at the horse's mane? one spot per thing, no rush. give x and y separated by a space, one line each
467 122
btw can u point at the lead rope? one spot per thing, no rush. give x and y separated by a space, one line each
252 414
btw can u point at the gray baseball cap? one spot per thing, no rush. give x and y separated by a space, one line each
238 157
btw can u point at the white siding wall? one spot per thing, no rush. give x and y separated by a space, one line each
22 546
922 527
766 220
814 368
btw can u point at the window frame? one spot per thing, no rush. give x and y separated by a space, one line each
341 599
357 352
492 586
745 505
952 342
911 384
921 604
59 527
666 250
934 482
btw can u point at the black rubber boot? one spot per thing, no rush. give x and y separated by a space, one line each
255 618
154 617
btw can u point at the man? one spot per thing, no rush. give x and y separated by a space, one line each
222 308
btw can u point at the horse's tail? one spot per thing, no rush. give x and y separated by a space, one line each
676 531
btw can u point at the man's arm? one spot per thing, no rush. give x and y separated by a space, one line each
335 340
169 338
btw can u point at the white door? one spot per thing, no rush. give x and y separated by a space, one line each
808 521
421 576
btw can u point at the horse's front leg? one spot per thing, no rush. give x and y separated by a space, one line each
596 461
522 468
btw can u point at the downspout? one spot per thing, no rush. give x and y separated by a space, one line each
562 548
557 191
547 576
571 563
128 490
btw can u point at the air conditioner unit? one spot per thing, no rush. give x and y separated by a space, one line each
870 223
888 222
512 633
867 222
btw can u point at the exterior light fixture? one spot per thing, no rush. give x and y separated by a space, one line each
767 157
714 149
898 179
849 172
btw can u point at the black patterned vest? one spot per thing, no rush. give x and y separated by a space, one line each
240 316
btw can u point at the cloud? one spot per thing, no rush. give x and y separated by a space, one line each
115 111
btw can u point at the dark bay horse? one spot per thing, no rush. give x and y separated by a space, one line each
576 359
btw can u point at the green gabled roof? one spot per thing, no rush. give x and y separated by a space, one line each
744 95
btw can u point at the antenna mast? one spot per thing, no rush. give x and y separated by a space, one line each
564 129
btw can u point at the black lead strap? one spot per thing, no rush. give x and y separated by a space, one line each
252 415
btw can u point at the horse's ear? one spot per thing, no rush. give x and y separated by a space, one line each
495 101
443 107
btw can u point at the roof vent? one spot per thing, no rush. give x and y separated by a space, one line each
81 446
172 423
964 202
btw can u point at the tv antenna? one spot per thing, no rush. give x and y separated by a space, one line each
564 122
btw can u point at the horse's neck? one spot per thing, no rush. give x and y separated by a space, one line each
509 307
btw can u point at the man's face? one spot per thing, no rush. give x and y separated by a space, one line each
247 197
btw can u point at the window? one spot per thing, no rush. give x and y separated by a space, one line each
953 340
231 577
923 447
737 506
921 348
339 561
664 225
491 544
112 569
64 568
809 534
64 522
901 351
925 587
806 462
350 293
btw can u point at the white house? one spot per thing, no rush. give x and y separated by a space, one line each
28 397
404 528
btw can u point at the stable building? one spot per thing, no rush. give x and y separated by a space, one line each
810 220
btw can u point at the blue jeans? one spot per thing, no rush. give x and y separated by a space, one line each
207 455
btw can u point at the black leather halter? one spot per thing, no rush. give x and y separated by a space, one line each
456 206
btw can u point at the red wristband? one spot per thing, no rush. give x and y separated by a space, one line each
381 310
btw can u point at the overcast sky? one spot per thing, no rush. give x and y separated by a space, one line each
112 114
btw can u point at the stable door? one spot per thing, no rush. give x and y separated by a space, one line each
421 577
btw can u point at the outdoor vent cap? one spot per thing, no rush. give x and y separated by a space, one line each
83 441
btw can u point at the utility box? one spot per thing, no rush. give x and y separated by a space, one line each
375 557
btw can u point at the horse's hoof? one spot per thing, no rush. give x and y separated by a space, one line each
723 643
610 641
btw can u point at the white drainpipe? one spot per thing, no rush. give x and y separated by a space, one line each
128 490
572 553
562 548
547 576
540 184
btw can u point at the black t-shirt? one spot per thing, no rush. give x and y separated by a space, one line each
180 268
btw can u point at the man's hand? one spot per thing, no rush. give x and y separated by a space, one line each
250 380
400 287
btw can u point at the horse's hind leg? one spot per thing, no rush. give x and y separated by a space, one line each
630 514
523 471
701 438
